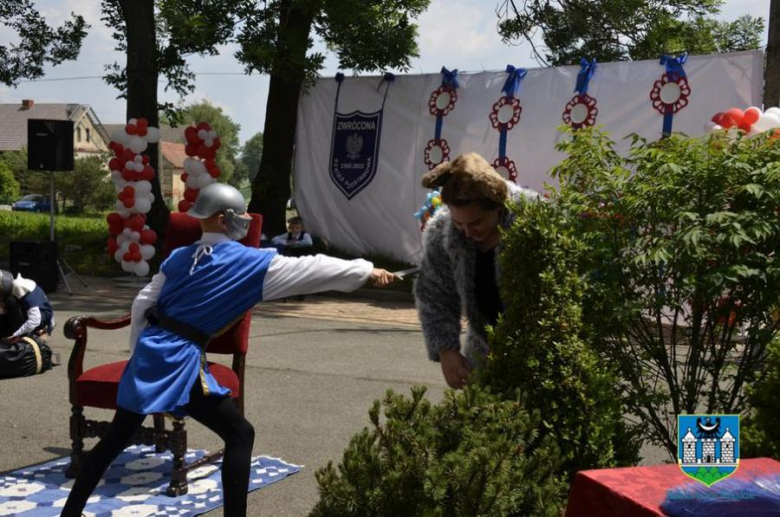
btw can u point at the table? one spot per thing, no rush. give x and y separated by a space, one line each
639 491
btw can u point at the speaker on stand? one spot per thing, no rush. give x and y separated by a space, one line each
50 148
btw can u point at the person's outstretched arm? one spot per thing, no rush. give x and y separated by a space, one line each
292 276
145 299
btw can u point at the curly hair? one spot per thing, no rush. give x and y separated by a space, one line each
468 179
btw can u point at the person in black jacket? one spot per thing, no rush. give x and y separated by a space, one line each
24 308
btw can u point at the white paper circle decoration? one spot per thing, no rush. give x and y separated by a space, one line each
503 171
505 113
436 154
670 93
579 113
443 100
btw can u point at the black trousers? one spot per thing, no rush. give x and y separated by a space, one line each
13 317
217 413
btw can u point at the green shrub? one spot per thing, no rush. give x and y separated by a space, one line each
9 188
760 430
472 455
538 346
681 259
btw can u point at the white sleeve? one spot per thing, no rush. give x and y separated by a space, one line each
280 239
145 299
291 276
33 320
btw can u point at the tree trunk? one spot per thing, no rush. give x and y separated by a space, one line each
772 68
271 186
142 75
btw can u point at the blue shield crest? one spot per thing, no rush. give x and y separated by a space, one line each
354 150
708 446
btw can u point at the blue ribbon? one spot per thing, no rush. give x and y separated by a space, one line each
674 65
449 78
588 68
512 83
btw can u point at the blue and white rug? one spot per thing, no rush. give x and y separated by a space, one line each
134 485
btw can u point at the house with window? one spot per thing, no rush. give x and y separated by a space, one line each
89 136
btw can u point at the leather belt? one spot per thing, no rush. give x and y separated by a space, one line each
184 330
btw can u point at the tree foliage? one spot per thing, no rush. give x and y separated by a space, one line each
251 154
760 430
472 455
35 43
619 30
681 241
9 187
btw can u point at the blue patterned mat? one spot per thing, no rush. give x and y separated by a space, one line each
134 485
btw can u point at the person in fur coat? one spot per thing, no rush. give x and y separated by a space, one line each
459 271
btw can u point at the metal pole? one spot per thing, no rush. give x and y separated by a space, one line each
51 207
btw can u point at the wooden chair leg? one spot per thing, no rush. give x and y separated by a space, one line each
77 441
160 440
178 443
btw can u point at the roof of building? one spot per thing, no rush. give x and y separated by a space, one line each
14 117
173 153
168 133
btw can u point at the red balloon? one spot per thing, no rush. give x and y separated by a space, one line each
217 143
137 257
128 175
209 163
115 229
190 150
184 205
752 115
735 115
128 155
115 164
214 172
142 122
191 134
127 257
131 129
112 247
128 191
744 126
147 174
145 159
142 131
203 125
114 218
129 202
185 176
134 247
148 237
135 223
191 194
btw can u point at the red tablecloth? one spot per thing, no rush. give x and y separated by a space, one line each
639 491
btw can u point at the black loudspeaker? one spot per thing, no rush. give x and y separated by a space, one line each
49 145
36 260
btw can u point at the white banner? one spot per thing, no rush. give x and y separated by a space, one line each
357 176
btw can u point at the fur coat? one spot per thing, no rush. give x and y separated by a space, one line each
445 287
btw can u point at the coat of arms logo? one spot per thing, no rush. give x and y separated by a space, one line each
708 446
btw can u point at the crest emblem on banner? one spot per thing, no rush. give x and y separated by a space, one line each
355 149
708 446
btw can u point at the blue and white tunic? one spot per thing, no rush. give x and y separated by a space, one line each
208 286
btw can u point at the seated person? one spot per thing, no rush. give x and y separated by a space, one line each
295 239
24 308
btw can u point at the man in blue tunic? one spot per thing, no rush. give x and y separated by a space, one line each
24 308
199 291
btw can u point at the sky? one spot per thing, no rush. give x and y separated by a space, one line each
458 34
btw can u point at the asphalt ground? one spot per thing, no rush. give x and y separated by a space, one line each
314 368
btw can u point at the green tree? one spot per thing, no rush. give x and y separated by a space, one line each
251 154
276 40
618 30
227 130
9 187
17 162
36 43
88 187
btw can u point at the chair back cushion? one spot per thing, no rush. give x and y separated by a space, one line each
184 230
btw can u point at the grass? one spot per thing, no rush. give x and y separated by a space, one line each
81 239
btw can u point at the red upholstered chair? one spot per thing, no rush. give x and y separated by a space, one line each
98 386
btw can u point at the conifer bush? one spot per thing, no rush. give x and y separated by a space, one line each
475 454
760 430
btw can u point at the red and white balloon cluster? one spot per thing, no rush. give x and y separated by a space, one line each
200 168
131 241
752 121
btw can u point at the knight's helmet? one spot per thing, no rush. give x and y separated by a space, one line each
221 198
6 283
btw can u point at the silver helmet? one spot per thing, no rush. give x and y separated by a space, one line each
6 283
219 197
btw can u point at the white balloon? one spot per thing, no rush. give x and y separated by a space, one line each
136 144
118 255
138 167
717 127
119 135
120 183
763 123
709 126
142 187
208 142
150 197
212 134
773 119
122 210
133 121
141 268
120 239
774 110
203 181
135 236
142 205
147 251
203 134
127 266
127 232
152 134
194 167
125 246
192 181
